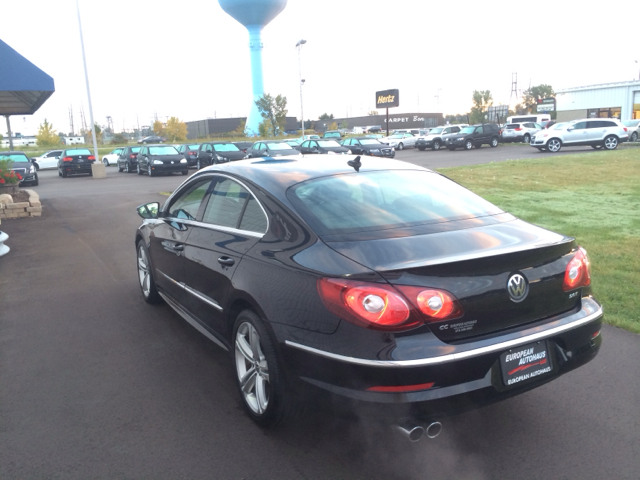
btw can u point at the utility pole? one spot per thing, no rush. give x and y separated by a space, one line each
514 87
73 132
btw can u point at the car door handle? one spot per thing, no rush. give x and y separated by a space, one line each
173 247
226 261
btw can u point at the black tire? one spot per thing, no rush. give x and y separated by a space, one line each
281 404
185 172
64 174
36 182
150 172
527 138
127 169
198 165
436 145
633 138
494 142
610 142
468 145
400 146
145 274
35 164
138 169
119 167
59 172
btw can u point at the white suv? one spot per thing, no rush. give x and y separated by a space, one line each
520 132
596 132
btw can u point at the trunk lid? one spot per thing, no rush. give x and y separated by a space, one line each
475 265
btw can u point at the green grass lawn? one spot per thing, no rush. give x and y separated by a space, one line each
594 197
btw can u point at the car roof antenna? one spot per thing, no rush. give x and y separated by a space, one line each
355 163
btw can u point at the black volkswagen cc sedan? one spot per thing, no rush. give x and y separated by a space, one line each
375 280
75 160
158 159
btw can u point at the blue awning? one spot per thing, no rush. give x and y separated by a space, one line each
23 86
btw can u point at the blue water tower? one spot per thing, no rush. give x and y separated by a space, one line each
254 15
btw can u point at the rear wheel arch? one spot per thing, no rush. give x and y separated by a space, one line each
238 305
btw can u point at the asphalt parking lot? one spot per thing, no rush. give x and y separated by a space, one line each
95 383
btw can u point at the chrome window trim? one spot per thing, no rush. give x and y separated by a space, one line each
212 226
453 356
193 291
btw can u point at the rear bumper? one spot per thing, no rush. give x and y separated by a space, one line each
73 168
467 374
176 167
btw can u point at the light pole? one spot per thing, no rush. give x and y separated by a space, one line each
299 47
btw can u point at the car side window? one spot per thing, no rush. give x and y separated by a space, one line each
226 203
580 126
305 144
478 130
455 130
187 204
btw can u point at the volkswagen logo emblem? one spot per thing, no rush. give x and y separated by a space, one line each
517 287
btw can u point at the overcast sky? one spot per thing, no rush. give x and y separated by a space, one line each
189 59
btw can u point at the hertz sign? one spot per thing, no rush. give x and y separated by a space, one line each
388 98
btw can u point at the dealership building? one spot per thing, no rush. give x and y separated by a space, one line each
212 127
611 100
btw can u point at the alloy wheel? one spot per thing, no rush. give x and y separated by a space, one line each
554 145
610 143
252 368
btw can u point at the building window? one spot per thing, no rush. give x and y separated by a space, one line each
613 112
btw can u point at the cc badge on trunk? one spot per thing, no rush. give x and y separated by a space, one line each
517 287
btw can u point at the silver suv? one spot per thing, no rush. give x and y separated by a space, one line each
437 137
604 133
520 132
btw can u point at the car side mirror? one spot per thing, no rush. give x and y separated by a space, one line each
570 129
149 210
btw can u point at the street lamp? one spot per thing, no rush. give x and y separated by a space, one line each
299 47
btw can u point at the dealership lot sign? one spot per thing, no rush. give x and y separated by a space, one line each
388 98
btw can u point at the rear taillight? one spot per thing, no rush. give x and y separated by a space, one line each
517 129
191 153
436 304
371 305
91 157
67 159
133 155
578 271
625 128
386 307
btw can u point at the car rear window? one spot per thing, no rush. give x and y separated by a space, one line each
279 146
135 149
513 126
382 200
226 147
78 151
164 150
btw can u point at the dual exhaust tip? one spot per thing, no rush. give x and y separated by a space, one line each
414 432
